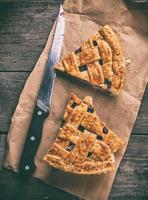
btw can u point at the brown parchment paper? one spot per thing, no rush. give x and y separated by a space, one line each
84 18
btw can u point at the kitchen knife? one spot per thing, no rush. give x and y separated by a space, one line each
43 102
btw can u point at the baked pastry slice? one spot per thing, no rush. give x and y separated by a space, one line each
84 144
99 61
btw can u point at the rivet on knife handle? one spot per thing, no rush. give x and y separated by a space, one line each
43 103
27 165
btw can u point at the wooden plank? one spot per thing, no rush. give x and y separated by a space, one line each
141 124
33 189
12 84
12 188
3 147
10 88
131 181
24 28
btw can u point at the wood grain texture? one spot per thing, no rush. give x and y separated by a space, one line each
24 28
10 87
141 124
131 181
12 84
3 147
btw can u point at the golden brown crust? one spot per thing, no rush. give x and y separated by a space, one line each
87 167
95 73
87 56
60 67
77 114
92 123
98 61
89 43
82 148
106 56
69 63
72 98
114 142
70 133
84 144
118 61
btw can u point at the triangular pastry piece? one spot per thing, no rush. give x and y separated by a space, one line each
84 144
99 61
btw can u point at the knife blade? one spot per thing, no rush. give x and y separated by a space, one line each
43 103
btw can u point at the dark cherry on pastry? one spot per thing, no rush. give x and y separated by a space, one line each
83 68
83 145
99 61
78 51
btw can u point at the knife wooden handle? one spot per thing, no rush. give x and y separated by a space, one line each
27 164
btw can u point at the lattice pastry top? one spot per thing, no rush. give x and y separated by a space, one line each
84 144
99 61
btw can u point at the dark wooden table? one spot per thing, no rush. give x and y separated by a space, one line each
24 28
